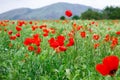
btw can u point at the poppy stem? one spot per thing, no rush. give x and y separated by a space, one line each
113 78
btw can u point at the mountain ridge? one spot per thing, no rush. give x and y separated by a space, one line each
52 11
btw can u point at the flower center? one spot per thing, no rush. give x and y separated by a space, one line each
112 72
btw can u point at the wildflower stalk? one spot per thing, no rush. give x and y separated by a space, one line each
113 78
75 40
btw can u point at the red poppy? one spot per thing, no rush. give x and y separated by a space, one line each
10 32
118 32
96 45
45 34
18 34
71 42
83 34
18 28
43 26
92 22
52 30
107 38
68 13
20 23
34 27
28 41
30 48
38 50
30 22
12 37
79 27
62 48
60 39
114 42
33 43
36 39
96 36
109 66
58 43
53 43
45 30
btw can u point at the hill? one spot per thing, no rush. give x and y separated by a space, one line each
53 11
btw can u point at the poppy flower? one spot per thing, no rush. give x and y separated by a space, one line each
10 32
53 43
118 32
18 28
52 30
34 27
43 26
92 22
74 26
79 27
109 66
114 42
96 36
20 23
36 39
38 50
30 22
71 42
83 34
58 43
33 43
107 38
36 36
60 39
45 30
12 37
96 45
28 41
68 13
62 48
30 48
18 34
45 34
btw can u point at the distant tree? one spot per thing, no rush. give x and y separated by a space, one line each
62 18
117 13
108 13
75 17
111 12
91 14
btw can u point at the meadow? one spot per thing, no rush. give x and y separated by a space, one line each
57 49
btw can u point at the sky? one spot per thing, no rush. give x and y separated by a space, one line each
6 5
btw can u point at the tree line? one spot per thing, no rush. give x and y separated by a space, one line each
107 13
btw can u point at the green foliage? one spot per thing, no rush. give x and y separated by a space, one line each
62 18
107 13
111 12
75 17
90 14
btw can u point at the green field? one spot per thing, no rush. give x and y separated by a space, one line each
75 62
